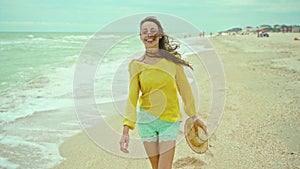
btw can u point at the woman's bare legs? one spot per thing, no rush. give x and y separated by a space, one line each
161 154
166 154
153 153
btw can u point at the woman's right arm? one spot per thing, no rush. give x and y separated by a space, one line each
133 96
130 111
124 142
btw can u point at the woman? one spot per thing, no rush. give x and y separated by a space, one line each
158 75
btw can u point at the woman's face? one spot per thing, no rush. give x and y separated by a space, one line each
149 34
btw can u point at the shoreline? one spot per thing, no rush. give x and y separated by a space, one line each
259 128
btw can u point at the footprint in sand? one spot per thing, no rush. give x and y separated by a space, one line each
189 162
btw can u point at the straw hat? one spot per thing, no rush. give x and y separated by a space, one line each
198 143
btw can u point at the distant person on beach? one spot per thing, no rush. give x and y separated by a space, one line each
155 79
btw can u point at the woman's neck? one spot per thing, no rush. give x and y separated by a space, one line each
153 53
152 50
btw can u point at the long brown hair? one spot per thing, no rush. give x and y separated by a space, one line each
167 47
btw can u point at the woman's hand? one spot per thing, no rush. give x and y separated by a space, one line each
124 141
199 123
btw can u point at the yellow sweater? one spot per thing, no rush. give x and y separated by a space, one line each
156 88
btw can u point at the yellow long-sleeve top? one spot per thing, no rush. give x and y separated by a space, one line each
158 85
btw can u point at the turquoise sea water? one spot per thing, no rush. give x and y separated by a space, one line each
26 55
35 85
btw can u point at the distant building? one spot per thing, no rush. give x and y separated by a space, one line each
261 29
295 29
265 27
234 31
277 26
249 29
285 28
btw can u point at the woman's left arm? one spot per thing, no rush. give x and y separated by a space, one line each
185 91
187 96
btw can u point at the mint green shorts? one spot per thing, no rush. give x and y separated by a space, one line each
152 129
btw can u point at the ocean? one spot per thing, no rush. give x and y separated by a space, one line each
36 87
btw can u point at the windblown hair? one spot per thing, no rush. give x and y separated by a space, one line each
168 47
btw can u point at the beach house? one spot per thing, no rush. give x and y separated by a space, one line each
296 29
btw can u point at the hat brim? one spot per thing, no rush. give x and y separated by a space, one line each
197 144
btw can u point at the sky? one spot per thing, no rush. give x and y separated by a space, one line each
92 15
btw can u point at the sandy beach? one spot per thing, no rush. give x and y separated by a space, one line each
260 125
